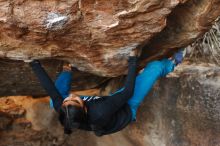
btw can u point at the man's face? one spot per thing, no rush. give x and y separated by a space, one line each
74 100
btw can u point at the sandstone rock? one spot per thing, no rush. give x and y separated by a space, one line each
5 122
185 24
181 110
97 36
17 78
11 109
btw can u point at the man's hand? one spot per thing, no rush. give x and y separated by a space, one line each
136 52
67 67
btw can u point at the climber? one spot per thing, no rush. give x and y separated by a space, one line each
106 114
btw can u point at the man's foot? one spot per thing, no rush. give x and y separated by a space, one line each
178 56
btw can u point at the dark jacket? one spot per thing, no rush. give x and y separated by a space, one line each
109 114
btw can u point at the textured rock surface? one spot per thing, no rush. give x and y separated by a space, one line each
185 24
17 78
181 110
97 36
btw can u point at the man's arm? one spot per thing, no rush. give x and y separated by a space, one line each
119 99
47 84
103 110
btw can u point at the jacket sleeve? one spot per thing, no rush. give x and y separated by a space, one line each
119 99
105 109
47 84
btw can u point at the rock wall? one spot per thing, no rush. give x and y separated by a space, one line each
185 24
17 78
97 36
181 110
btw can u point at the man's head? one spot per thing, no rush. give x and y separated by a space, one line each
72 113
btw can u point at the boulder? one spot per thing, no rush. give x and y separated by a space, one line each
97 36
17 78
181 110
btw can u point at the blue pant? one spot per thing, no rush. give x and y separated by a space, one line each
144 82
63 84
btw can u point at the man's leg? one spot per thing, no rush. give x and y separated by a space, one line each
145 81
63 84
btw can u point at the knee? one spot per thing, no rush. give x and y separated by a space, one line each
155 66
163 67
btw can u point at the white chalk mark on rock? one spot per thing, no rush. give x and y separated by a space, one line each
127 49
121 52
104 21
55 21
3 19
2 54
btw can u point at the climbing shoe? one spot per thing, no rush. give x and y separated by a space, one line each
178 56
